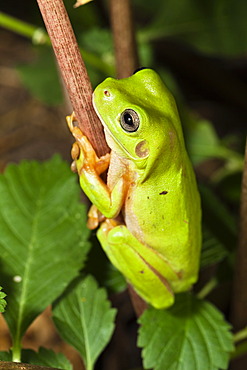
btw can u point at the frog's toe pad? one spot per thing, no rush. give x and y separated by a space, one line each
118 235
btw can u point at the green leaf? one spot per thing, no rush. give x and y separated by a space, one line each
98 40
2 300
213 250
192 334
5 356
207 25
218 219
43 238
84 319
46 357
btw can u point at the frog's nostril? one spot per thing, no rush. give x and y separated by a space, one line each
107 93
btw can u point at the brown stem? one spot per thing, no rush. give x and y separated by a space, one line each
19 366
126 57
124 37
73 71
75 75
138 303
239 303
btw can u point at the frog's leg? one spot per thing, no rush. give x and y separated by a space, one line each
147 271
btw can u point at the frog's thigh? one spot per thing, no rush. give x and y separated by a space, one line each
122 249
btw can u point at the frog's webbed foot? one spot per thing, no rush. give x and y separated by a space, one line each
146 271
82 152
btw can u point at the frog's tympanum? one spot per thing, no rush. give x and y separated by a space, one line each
149 211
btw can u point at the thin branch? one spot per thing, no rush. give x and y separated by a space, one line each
126 57
240 335
20 366
239 302
39 37
208 287
73 71
124 37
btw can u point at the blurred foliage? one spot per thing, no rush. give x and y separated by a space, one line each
215 29
44 85
212 26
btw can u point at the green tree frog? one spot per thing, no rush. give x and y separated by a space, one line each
149 210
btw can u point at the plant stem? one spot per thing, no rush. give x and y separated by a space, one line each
73 71
240 335
240 350
239 301
16 351
38 35
124 37
4 365
208 287
126 57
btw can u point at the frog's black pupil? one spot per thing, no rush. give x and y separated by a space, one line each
128 119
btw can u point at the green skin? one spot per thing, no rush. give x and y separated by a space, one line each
152 184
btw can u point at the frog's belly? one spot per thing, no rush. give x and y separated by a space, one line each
163 223
142 218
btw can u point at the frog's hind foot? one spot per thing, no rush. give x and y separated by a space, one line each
139 264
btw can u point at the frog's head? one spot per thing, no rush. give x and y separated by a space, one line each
139 116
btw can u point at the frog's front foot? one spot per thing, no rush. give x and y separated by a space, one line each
82 152
95 218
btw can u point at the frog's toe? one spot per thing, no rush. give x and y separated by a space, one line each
118 235
75 151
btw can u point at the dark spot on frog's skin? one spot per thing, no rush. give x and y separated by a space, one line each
163 192
180 274
147 197
163 217
141 272
128 197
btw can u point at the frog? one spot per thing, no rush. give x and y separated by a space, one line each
148 211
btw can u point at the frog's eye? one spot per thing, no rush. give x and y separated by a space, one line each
129 120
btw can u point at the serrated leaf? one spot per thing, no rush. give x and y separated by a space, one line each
2 300
192 334
43 238
84 319
46 357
